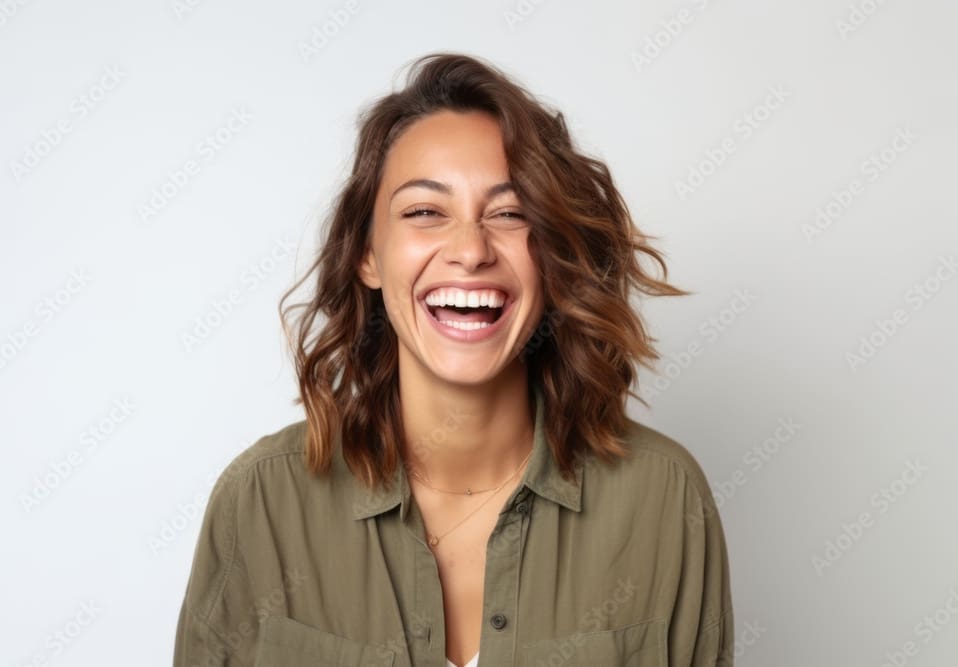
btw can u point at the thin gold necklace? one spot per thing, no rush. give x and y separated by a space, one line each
434 539
467 492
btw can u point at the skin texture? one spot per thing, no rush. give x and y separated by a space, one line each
467 417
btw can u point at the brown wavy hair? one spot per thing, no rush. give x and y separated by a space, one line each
582 238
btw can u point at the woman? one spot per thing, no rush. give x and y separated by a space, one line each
466 485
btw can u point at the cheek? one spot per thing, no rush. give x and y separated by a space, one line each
533 284
404 249
528 274
401 260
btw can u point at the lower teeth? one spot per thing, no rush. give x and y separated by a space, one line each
466 326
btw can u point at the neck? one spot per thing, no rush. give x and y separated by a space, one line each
460 436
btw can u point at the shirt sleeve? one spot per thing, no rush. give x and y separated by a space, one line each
701 632
210 631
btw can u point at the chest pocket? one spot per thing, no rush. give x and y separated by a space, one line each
284 642
638 645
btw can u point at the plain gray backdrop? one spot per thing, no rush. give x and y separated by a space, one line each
167 167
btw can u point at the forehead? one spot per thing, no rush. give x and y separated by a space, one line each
450 142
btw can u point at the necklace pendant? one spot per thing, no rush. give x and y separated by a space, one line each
433 541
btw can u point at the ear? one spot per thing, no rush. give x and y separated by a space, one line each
368 271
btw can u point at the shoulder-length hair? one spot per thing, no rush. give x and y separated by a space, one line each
582 238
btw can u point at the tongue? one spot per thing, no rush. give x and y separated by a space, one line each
465 314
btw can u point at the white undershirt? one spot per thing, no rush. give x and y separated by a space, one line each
471 663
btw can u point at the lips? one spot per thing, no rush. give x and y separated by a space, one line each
470 332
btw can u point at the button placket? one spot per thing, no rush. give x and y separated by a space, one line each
503 561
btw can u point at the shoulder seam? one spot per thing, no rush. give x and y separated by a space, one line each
692 477
235 474
233 521
265 457
249 458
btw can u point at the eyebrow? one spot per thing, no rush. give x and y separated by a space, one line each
445 189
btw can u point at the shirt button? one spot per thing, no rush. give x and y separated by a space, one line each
522 507
498 621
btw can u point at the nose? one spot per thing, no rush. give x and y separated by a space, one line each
468 245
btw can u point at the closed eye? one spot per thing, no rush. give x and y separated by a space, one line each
516 215
418 211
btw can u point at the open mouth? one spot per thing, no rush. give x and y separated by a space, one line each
465 316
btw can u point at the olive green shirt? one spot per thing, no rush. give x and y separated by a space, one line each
625 566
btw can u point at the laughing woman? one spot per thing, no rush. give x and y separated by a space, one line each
466 487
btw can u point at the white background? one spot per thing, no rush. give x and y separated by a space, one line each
832 217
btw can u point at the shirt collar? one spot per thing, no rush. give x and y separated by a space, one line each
542 476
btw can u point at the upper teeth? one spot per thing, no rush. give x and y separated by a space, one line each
451 296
